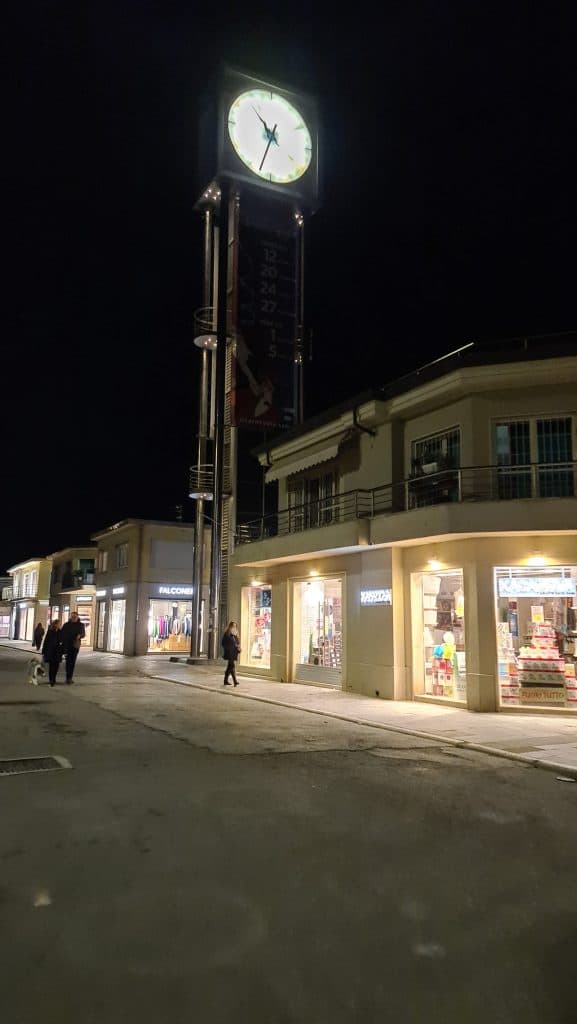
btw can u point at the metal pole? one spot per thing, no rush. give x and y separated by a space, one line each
301 317
220 398
201 450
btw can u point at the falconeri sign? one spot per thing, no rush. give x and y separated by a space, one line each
172 590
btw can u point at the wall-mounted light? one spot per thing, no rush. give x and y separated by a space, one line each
255 583
537 560
434 564
313 572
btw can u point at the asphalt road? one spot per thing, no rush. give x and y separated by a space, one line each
210 859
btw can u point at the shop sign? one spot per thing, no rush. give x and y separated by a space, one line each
83 600
101 593
537 586
117 591
172 590
377 596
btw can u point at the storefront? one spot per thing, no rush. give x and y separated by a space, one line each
536 620
439 631
25 621
256 625
117 620
317 643
101 620
169 619
85 609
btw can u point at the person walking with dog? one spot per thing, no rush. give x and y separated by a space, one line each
72 634
231 651
52 650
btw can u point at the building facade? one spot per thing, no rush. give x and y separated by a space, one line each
425 543
72 588
143 587
29 596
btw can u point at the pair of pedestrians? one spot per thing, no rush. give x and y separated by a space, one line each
63 642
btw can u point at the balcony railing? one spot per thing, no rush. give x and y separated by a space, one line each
468 484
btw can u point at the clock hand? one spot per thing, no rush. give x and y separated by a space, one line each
271 137
261 119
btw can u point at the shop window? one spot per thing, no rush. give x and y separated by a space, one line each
117 624
256 626
4 626
101 627
169 627
312 501
121 556
435 463
536 621
443 634
318 631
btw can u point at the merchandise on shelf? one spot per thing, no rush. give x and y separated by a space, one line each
541 670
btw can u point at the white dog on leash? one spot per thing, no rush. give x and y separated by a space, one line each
36 671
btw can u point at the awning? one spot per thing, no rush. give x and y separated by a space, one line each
312 455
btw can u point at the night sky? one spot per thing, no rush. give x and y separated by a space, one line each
448 216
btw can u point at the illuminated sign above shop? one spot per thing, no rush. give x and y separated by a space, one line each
101 593
537 586
173 590
118 590
382 596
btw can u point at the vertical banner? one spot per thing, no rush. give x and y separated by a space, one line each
263 386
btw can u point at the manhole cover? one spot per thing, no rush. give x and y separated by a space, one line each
19 765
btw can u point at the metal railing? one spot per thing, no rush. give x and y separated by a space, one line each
467 484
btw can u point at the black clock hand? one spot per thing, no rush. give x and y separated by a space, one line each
271 137
261 119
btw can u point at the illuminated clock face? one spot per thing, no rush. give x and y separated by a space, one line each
270 136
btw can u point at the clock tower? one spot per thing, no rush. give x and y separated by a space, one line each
258 181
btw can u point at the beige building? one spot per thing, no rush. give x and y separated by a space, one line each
425 543
143 587
72 588
29 596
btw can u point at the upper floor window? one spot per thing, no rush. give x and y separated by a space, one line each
435 463
102 561
29 584
312 501
121 556
535 458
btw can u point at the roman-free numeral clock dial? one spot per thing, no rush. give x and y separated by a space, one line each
270 136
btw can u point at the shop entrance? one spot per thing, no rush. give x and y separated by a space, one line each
439 635
318 631
256 626
117 621
536 615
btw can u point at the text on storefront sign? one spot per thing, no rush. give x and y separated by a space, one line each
377 596
537 586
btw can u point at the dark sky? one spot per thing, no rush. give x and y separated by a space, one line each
449 215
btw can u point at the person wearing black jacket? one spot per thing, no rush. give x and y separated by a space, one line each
38 634
72 634
231 651
52 650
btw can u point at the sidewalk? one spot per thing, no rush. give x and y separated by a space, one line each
545 741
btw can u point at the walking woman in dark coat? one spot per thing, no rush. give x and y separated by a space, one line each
231 651
52 650
38 634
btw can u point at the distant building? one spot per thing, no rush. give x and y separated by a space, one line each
143 587
72 587
29 599
425 541
5 606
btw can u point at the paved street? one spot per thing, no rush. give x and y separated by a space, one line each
213 858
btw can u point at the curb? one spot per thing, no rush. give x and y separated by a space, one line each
480 748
